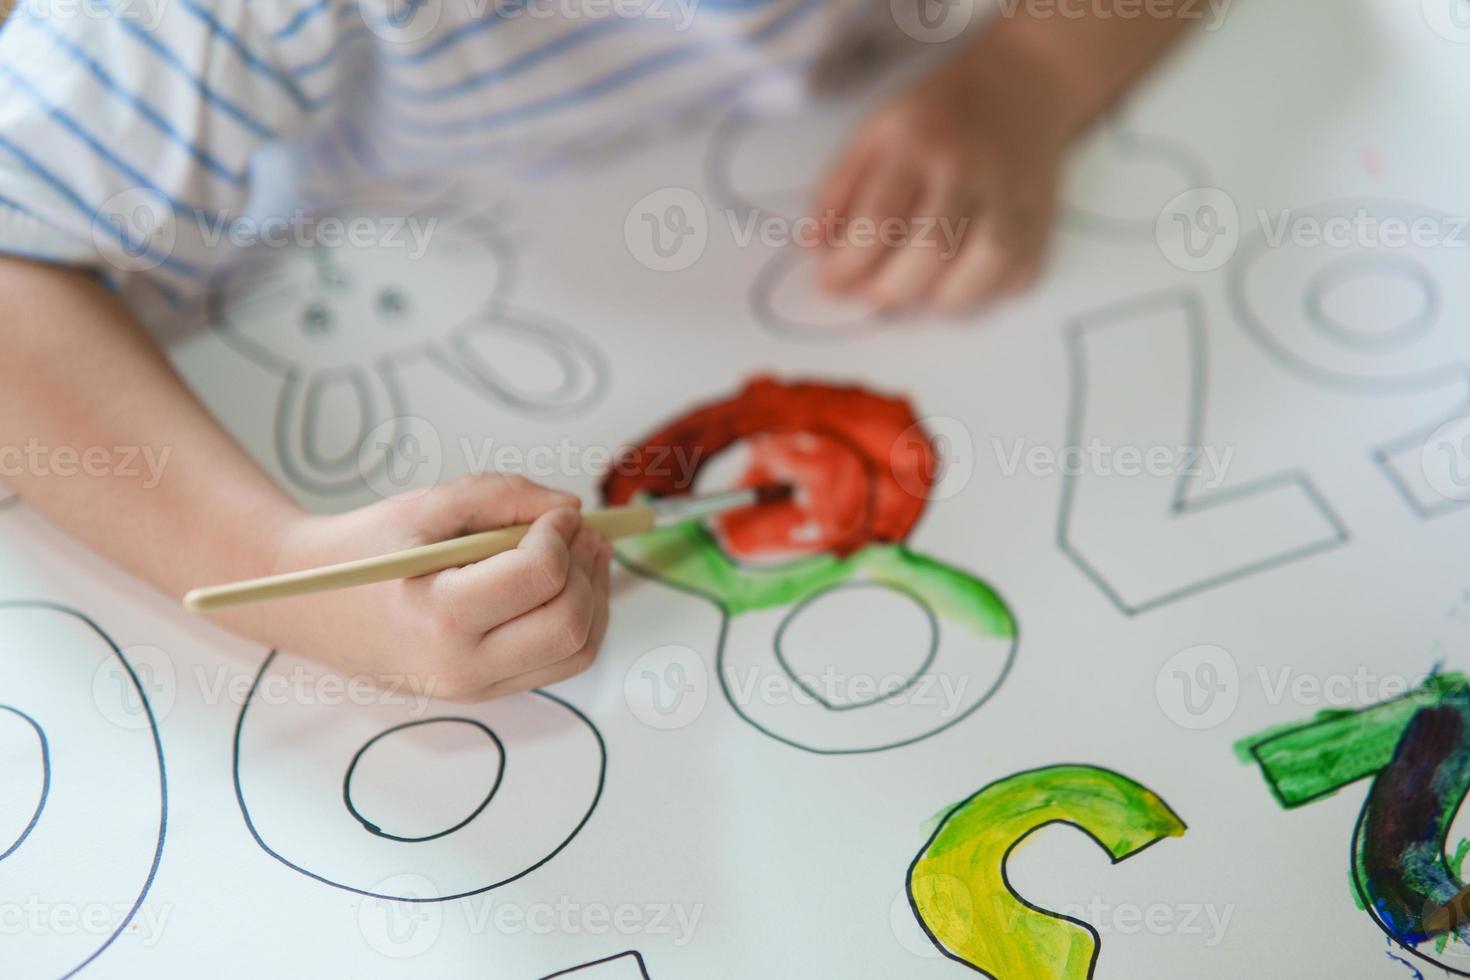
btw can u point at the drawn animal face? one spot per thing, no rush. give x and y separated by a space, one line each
391 283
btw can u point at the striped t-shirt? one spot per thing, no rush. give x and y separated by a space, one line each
123 122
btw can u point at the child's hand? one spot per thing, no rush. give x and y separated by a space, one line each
519 620
964 166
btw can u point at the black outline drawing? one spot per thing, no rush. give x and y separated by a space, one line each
1123 142
255 834
132 676
1363 900
1187 301
45 748
637 959
378 831
727 616
721 644
1006 857
585 370
1334 379
785 259
796 610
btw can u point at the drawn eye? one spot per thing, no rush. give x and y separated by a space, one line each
391 303
316 319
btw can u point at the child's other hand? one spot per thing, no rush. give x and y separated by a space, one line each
964 167
519 620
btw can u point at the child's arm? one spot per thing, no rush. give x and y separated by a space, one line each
80 372
979 146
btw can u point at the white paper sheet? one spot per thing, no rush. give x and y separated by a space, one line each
177 800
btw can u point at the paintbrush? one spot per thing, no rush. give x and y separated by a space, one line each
1448 916
612 523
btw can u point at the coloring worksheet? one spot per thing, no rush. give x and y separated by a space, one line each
1119 631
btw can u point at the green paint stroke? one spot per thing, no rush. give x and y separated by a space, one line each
688 557
958 882
1305 761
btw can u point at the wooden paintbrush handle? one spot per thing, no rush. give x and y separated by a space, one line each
616 522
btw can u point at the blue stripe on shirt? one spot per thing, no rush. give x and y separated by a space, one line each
253 61
303 16
98 149
168 57
92 215
611 82
210 163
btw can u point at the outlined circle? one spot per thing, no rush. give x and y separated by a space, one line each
1330 277
767 723
295 809
98 788
375 829
910 679
1274 315
44 750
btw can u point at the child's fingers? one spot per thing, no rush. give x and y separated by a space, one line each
975 273
912 269
552 632
835 196
889 190
483 502
580 660
479 597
